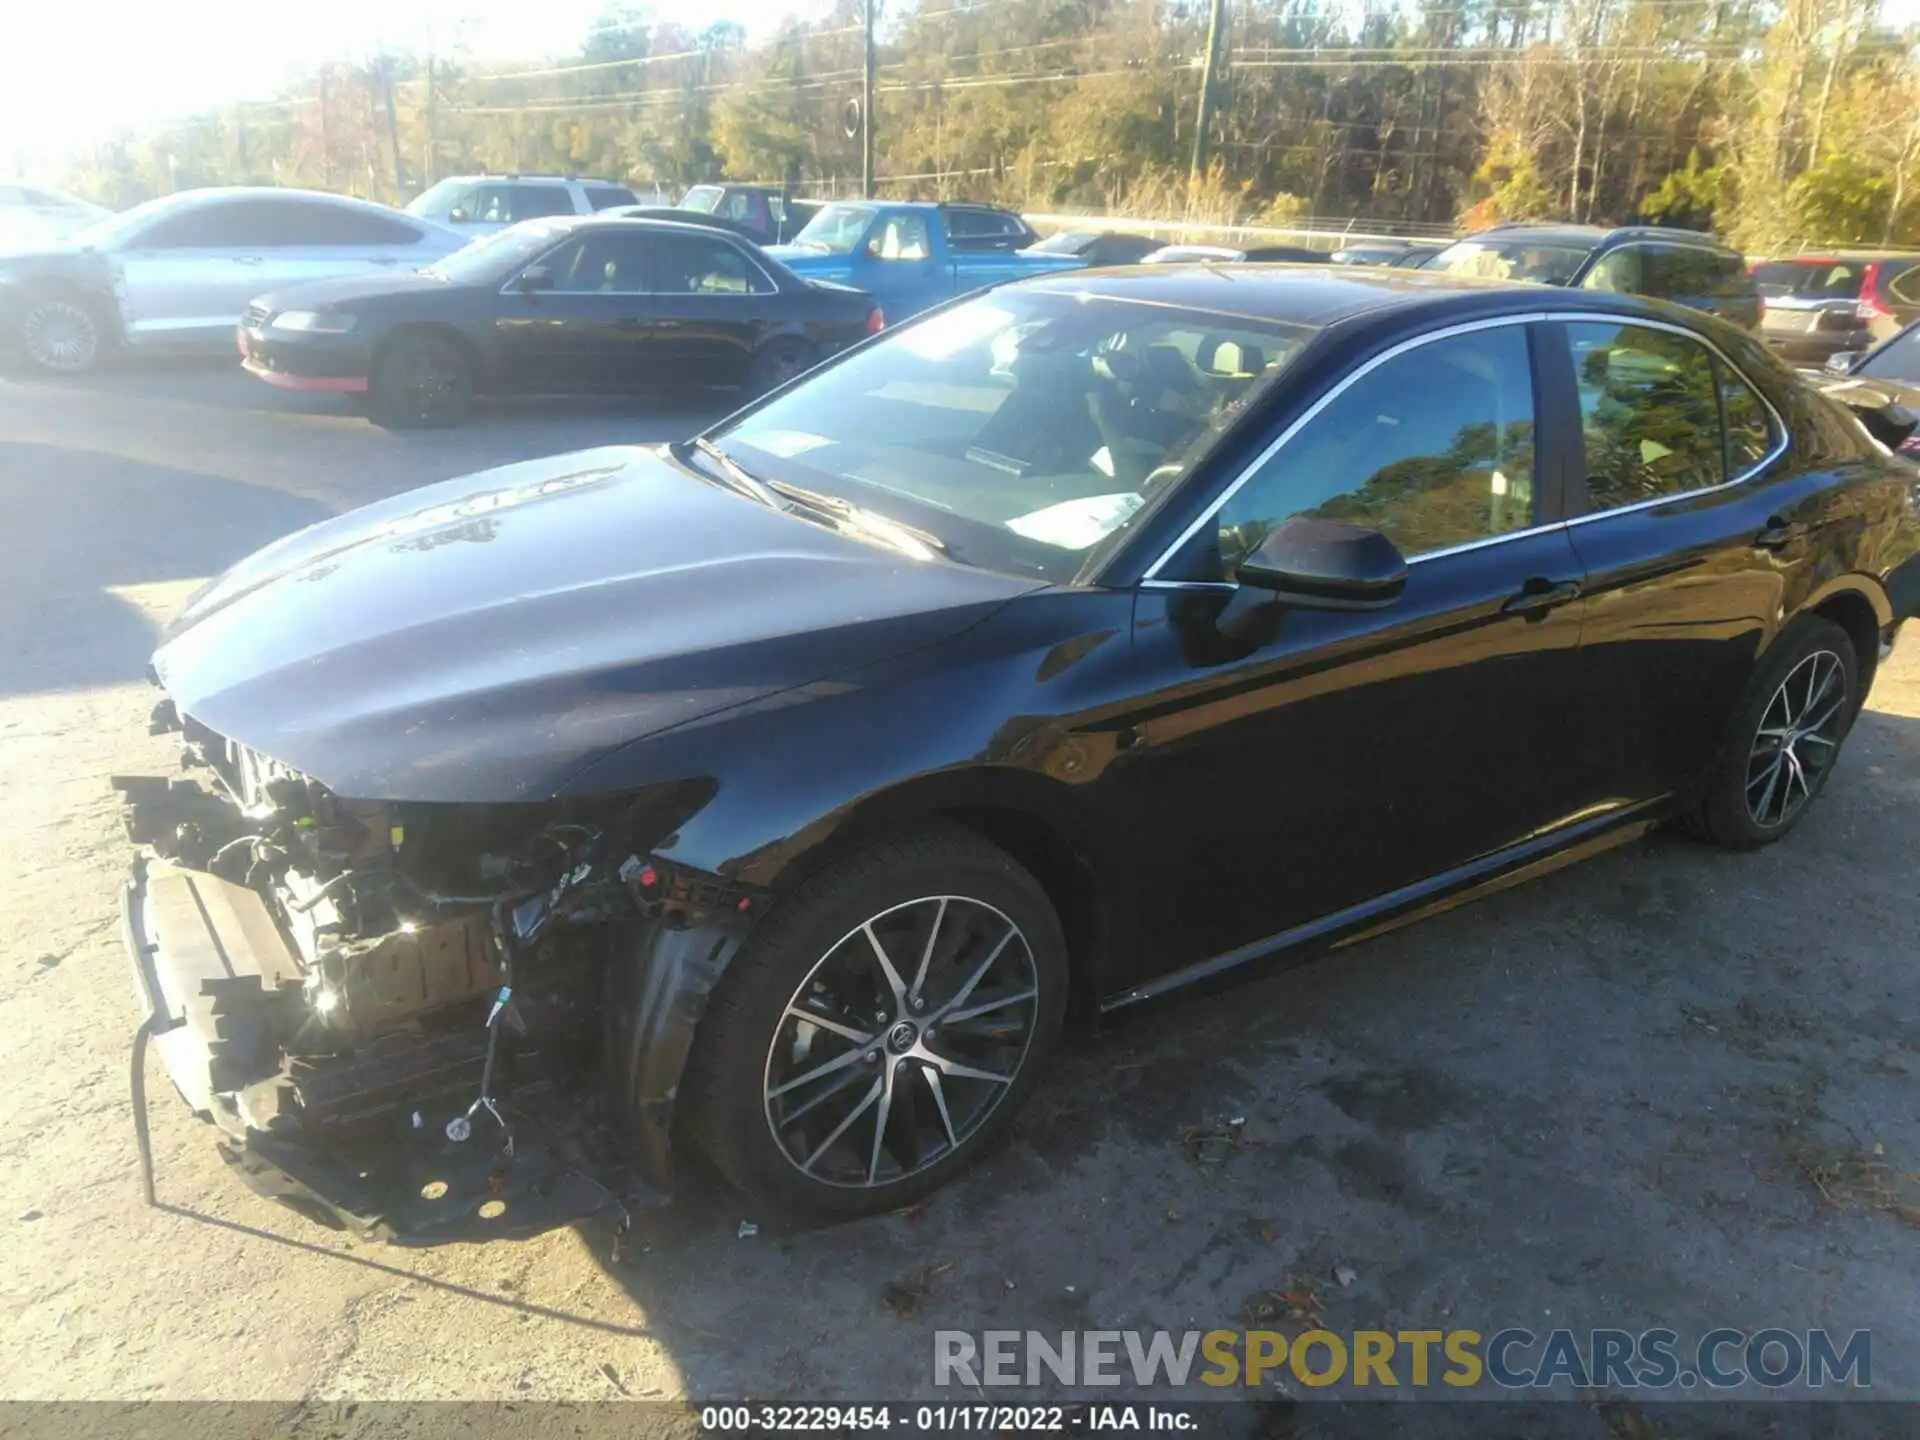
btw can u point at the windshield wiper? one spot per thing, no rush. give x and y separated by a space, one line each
730 470
855 517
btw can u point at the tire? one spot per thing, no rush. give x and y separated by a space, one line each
808 1146
63 334
421 381
778 362
1806 690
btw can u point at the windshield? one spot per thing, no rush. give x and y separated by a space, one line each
496 256
1898 359
105 233
1515 259
1023 429
437 200
1816 279
704 198
836 229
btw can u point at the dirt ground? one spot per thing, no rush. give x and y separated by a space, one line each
1670 1086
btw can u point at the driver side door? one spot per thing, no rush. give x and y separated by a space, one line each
1300 768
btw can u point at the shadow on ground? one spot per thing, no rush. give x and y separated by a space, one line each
1644 1091
61 625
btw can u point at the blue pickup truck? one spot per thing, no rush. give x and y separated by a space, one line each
899 254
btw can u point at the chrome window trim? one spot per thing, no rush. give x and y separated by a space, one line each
1302 421
1780 448
1151 579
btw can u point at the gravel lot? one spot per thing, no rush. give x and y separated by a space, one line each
1670 1086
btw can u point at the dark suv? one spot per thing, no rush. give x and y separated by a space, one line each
1683 266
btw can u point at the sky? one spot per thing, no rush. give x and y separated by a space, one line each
74 72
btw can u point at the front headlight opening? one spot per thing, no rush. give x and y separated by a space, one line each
312 322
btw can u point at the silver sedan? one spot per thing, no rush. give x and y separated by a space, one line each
177 272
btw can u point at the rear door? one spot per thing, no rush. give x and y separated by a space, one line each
1689 527
1291 764
711 305
576 319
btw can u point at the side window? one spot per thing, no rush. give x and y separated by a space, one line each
532 202
1648 411
338 225
1680 273
202 227
1618 272
1731 277
610 262
1434 448
900 237
1751 433
1903 287
605 197
691 265
964 224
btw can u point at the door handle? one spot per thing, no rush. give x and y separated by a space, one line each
628 322
1541 595
1779 534
248 259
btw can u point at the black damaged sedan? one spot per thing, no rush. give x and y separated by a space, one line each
568 306
783 793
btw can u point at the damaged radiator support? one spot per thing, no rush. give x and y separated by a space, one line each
348 1083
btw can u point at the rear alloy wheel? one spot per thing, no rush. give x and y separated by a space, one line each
421 382
1785 737
885 1027
61 336
780 362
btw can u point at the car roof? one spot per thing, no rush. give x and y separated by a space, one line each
1593 236
1320 295
210 194
1828 257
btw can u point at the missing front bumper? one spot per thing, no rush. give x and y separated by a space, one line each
207 958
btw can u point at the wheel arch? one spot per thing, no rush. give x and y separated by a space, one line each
440 330
1860 608
100 299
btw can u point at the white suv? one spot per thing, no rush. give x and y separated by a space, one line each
481 204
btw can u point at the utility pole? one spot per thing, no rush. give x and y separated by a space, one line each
393 130
1216 26
326 140
866 110
430 162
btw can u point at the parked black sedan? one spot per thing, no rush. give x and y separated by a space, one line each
566 305
1077 642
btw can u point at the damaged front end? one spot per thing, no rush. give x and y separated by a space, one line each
419 1021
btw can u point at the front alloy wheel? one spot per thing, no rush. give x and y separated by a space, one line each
61 336
880 1027
901 1041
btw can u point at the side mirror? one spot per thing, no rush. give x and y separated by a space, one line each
1326 565
534 278
1843 361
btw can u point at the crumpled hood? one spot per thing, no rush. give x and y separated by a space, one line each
485 638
